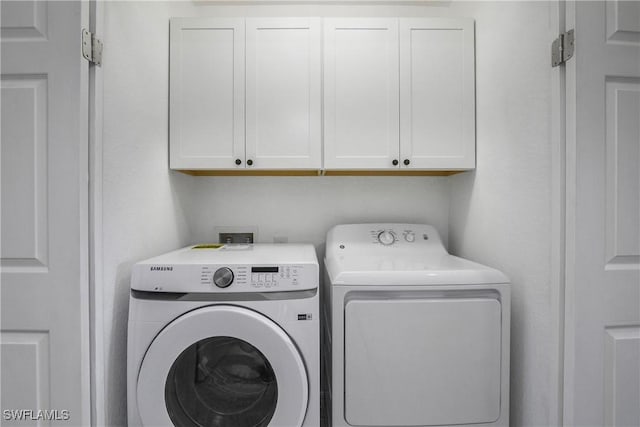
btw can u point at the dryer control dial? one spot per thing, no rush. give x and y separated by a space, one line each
223 277
386 237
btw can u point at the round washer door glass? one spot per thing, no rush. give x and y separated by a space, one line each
222 366
222 382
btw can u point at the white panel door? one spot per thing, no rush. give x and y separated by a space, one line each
361 93
437 93
206 105
44 207
283 97
602 355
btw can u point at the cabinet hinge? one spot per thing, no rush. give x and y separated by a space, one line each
91 47
562 48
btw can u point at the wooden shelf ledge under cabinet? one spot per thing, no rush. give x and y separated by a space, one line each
249 172
405 172
293 172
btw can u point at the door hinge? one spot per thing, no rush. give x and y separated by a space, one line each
91 47
562 48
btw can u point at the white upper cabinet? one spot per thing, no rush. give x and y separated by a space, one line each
361 93
206 93
280 113
252 94
283 99
437 93
399 94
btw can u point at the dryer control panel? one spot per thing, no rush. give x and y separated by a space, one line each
391 236
384 235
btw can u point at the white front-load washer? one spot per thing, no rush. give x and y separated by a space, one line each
225 336
414 336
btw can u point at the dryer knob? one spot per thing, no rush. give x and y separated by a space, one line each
386 238
223 277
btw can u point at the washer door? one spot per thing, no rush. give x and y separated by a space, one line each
222 366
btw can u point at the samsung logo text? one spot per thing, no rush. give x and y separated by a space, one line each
161 268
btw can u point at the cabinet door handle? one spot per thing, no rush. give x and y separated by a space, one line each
395 162
249 162
238 162
406 162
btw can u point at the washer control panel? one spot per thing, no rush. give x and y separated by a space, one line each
270 277
258 267
234 278
256 277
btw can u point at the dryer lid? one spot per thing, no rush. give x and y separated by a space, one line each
409 270
398 254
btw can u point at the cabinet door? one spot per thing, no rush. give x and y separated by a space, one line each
283 93
437 93
206 93
361 129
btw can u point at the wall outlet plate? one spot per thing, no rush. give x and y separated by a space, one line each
236 234
235 238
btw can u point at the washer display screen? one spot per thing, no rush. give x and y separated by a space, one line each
221 382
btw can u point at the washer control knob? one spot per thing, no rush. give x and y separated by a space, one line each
386 237
223 277
410 237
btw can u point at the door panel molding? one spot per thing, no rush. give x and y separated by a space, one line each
24 173
24 20
622 393
25 360
623 22
622 162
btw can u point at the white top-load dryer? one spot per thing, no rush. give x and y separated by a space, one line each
414 335
225 336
